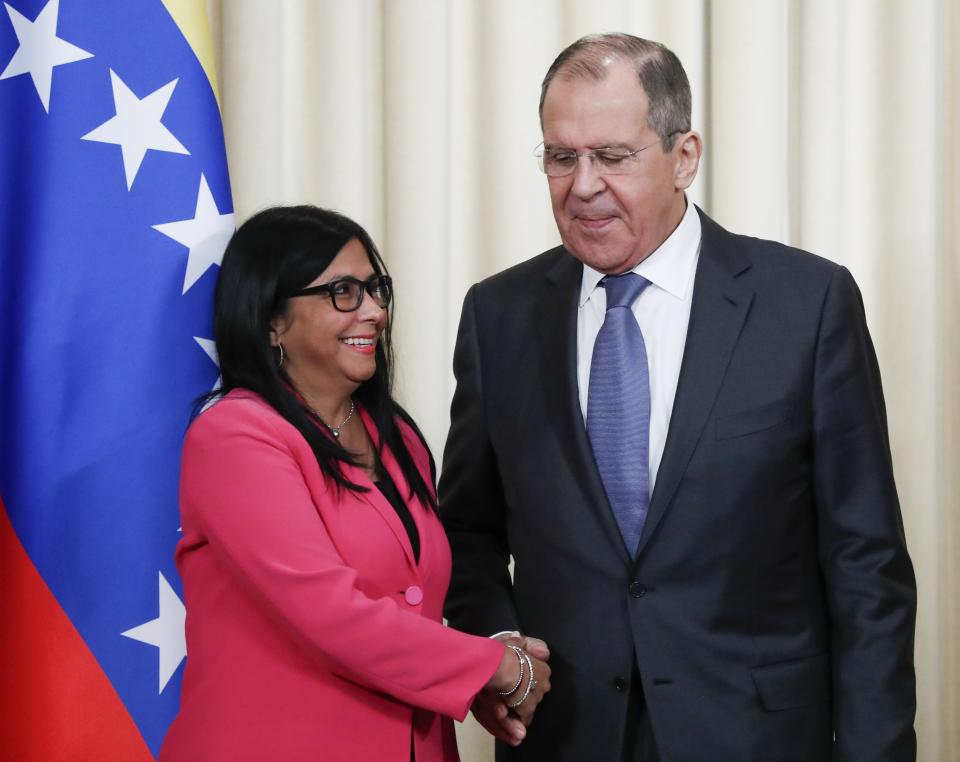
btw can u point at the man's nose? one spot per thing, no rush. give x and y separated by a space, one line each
587 181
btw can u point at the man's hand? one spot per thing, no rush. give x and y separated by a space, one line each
533 646
490 711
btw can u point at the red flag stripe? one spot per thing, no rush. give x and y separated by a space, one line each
55 701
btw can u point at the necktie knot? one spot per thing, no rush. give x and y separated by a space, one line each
623 290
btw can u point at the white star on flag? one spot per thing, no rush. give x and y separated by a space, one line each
165 632
40 49
210 347
137 128
206 235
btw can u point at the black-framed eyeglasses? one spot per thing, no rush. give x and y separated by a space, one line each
557 161
347 293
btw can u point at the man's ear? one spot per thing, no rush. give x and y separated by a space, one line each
688 150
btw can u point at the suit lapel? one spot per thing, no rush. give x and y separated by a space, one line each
557 328
379 502
720 306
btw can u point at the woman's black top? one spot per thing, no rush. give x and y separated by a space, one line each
385 484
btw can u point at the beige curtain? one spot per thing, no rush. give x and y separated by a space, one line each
829 124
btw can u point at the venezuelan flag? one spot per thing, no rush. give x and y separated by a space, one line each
114 212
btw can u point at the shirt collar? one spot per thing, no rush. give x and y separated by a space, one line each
668 267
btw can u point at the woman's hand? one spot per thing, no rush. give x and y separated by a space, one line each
524 691
533 684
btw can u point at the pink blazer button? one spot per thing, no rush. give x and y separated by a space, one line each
413 595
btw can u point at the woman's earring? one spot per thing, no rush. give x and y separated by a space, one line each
280 362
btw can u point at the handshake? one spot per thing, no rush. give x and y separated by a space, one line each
507 703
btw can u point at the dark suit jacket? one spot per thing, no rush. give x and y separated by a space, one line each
771 601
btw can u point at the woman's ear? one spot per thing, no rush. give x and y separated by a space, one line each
278 327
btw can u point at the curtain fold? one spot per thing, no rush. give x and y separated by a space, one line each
827 125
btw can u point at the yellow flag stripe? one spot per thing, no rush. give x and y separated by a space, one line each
191 17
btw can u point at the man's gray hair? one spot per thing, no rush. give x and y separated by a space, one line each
660 73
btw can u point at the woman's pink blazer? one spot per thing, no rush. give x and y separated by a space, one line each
312 634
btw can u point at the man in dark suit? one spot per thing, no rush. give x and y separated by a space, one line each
679 436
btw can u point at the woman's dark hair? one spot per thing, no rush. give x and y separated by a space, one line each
271 256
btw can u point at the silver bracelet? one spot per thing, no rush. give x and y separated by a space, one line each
531 683
519 654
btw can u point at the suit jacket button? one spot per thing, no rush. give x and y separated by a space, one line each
620 684
637 590
413 595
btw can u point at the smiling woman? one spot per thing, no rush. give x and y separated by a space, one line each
330 352
314 565
288 329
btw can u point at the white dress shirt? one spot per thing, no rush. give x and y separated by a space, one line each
663 313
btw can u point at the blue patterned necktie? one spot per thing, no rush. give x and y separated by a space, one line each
618 407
